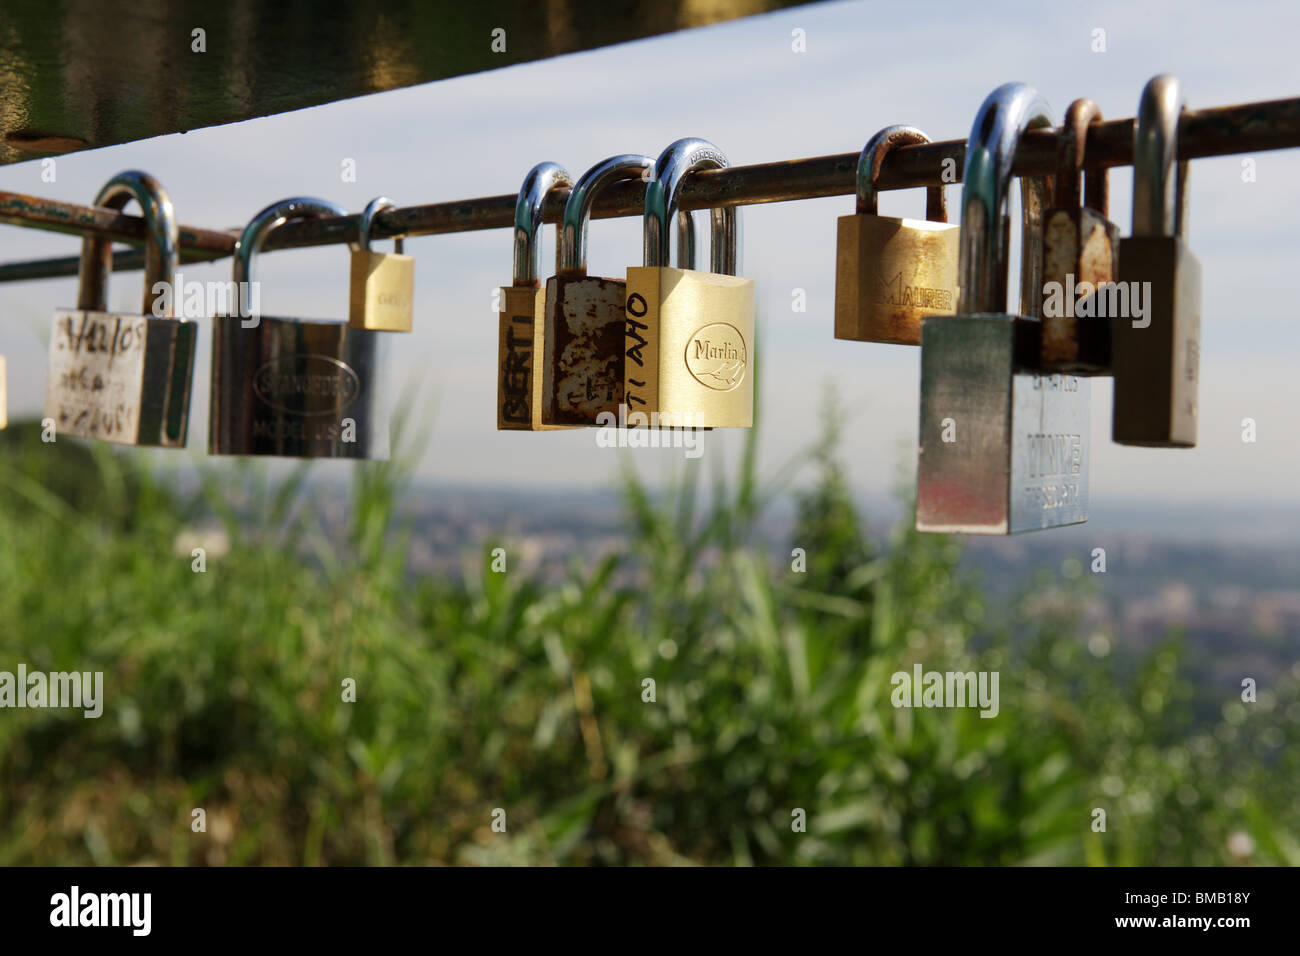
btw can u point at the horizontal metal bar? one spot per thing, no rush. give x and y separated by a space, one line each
1217 131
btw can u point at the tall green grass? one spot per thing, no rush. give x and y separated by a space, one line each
491 690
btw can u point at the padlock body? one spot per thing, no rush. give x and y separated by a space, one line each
890 274
297 389
381 291
1080 245
1003 449
120 378
1156 357
4 396
688 348
518 335
582 349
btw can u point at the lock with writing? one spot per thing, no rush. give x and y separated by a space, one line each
1080 257
890 273
689 335
1156 355
289 387
119 377
521 325
582 346
381 285
1003 448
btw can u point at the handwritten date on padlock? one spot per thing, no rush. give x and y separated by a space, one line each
95 334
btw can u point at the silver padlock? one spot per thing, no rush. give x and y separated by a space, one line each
117 377
294 388
1003 448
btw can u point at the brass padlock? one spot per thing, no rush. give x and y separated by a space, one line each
381 285
117 377
521 326
293 387
1003 448
689 336
1080 254
1156 356
4 396
891 273
582 347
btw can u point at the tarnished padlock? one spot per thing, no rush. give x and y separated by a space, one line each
689 335
1156 357
890 273
1080 254
1003 448
296 388
582 347
521 326
117 377
381 285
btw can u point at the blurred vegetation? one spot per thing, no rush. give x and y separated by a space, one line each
492 690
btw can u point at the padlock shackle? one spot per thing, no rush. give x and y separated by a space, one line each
873 157
270 219
162 246
539 182
1082 113
366 222
577 210
661 205
1159 179
982 265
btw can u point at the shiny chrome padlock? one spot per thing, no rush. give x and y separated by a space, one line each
1156 357
381 285
117 377
1080 254
521 326
891 273
689 335
582 347
1003 448
295 388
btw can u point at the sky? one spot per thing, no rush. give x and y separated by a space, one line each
742 86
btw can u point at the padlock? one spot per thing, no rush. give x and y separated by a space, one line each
689 335
1156 356
891 273
4 396
521 326
381 286
1080 254
582 347
1003 449
293 387
117 377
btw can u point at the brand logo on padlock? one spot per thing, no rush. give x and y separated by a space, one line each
284 382
716 356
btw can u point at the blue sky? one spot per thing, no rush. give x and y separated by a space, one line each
867 65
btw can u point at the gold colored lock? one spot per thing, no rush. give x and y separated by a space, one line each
4 396
1156 355
382 284
1080 255
689 336
521 326
582 363
891 273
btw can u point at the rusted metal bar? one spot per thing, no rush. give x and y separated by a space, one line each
1218 131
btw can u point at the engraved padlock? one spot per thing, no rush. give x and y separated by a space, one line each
891 273
381 285
118 377
295 388
1080 256
689 335
582 347
1156 355
1003 449
521 326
